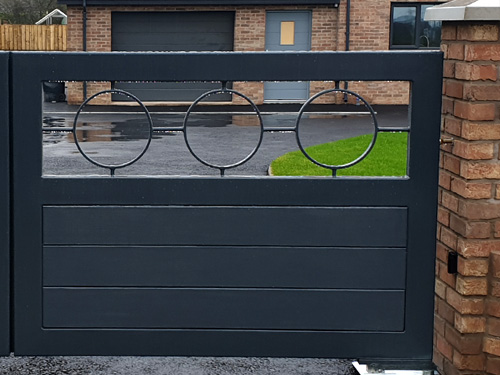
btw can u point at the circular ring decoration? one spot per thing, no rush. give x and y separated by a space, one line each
255 110
359 158
112 167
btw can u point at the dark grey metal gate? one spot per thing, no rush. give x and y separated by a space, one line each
4 205
173 266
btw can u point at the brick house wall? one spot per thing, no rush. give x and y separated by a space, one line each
370 29
467 315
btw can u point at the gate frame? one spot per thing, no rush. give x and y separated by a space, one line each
4 205
335 66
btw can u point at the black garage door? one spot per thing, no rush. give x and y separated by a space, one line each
172 31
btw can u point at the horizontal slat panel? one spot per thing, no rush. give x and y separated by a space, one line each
249 226
223 309
225 267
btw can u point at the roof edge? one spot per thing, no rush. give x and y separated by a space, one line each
465 10
197 2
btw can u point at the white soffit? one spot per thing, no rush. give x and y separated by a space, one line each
465 10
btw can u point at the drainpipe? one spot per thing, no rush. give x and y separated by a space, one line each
347 37
84 15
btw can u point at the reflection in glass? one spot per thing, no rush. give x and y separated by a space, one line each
430 31
404 25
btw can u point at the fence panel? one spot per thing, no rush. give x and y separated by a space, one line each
4 205
33 37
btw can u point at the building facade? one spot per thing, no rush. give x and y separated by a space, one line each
248 25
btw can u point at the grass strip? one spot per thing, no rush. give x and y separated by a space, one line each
387 158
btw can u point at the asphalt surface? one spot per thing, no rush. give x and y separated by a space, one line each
117 137
172 366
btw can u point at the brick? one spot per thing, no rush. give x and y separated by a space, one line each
464 343
493 366
443 216
470 323
492 345
446 277
477 32
448 106
437 358
449 69
471 190
463 304
478 52
480 131
440 289
455 51
472 286
474 72
473 150
445 311
493 307
450 369
473 267
481 92
493 326
479 170
453 126
495 288
449 238
444 347
451 163
454 89
442 252
469 362
470 229
476 248
444 179
448 31
474 111
495 264
449 201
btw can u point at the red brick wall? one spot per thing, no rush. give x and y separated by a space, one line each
467 334
369 31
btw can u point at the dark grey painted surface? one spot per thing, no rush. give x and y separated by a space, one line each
171 31
230 266
288 91
242 309
199 2
246 226
4 206
416 194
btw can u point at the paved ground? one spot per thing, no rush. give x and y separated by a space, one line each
172 366
115 138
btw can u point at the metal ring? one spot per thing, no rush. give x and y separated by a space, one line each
363 155
223 91
112 167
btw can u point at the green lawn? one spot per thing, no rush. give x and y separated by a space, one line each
387 158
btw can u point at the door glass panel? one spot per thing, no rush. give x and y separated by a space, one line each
287 33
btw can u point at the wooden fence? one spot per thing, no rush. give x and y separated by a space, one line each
33 37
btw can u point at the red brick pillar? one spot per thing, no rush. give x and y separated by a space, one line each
492 338
467 317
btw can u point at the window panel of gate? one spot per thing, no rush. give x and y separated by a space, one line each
226 128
